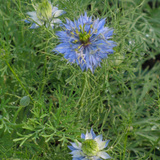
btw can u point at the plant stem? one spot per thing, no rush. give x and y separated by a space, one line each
18 79
83 89
16 114
125 144
43 76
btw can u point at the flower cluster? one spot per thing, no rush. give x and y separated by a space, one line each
85 42
45 14
90 149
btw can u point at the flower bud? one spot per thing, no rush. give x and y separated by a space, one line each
117 59
44 10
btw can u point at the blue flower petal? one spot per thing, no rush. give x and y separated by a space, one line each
93 134
27 21
107 143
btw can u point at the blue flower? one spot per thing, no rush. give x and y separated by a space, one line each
45 14
85 42
90 149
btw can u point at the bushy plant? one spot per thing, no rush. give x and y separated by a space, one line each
47 96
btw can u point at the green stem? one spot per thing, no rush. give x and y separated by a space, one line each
125 144
83 89
45 62
84 80
43 76
16 114
18 79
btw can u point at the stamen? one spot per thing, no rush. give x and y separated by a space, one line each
77 31
72 33
81 28
80 46
75 41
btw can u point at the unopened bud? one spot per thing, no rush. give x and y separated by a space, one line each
44 10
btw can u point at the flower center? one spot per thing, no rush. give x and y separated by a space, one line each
44 10
90 147
83 35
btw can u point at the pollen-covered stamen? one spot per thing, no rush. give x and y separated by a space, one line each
82 34
80 46
84 37
77 32
75 41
